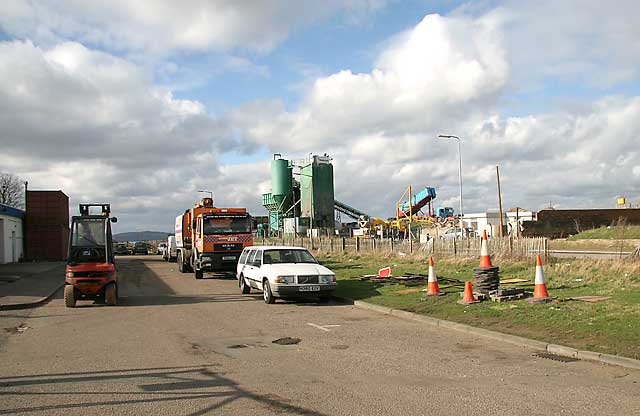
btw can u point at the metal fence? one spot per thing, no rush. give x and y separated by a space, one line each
501 247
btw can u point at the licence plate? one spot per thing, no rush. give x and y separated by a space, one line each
309 288
225 258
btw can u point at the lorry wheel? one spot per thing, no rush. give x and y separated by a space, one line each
266 293
69 296
181 267
198 273
244 287
111 295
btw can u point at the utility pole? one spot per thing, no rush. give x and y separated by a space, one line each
499 200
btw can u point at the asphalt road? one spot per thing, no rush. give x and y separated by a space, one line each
178 346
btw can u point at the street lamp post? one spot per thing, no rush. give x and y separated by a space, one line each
448 136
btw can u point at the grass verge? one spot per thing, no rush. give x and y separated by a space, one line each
611 326
609 233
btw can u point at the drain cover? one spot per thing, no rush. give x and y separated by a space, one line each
555 357
287 341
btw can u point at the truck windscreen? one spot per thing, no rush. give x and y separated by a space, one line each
226 225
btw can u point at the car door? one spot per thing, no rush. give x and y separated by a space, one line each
256 272
245 269
241 263
249 270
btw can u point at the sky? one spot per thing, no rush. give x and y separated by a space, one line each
142 104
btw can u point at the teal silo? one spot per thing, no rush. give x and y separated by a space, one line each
281 181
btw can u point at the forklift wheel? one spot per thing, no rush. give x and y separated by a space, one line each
69 296
199 274
110 295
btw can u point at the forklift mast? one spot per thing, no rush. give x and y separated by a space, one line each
84 209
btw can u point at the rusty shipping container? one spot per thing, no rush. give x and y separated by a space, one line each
46 225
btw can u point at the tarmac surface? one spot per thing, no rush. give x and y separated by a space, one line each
180 346
28 284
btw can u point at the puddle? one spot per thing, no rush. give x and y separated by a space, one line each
287 341
17 329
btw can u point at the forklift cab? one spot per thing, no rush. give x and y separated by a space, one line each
90 240
91 271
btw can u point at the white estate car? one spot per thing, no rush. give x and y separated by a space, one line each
283 272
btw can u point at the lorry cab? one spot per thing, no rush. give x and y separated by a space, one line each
219 240
211 239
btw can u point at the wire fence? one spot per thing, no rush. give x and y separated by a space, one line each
498 247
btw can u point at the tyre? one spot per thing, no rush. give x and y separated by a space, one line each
111 294
69 296
244 287
266 293
181 265
198 273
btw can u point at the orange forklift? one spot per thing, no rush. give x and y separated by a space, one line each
91 269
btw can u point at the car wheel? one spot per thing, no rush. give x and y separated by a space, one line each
244 287
266 293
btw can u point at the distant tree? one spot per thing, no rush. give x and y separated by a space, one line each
11 190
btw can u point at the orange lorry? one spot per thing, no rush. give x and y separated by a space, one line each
211 239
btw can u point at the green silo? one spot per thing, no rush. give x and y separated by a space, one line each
317 193
281 181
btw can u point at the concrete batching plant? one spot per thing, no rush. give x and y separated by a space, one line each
307 203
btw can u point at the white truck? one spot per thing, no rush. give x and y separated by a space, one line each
171 251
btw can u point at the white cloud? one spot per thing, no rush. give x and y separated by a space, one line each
441 69
164 26
91 124
447 75
94 125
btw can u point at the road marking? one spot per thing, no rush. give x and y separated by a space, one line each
322 327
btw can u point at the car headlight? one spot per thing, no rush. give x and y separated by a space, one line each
69 275
327 278
285 279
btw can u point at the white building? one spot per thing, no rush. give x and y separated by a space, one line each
11 240
490 221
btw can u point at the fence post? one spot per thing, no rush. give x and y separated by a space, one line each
410 244
357 244
455 248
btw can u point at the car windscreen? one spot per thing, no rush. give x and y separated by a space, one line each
226 225
88 232
285 255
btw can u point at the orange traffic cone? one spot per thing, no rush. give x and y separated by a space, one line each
432 282
485 259
540 294
467 297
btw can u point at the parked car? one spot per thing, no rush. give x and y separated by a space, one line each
120 249
284 272
171 252
162 247
140 248
457 233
